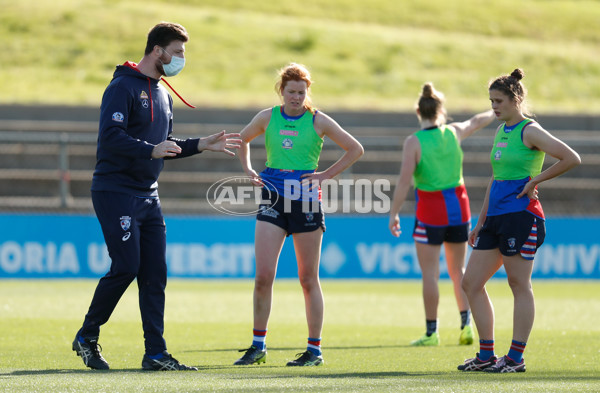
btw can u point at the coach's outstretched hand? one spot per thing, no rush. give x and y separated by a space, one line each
220 142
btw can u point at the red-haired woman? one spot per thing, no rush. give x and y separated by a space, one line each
294 135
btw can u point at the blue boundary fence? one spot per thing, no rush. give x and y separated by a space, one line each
358 247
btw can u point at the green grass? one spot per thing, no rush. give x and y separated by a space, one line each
363 56
368 325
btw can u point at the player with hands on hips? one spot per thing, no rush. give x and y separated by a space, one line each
511 225
294 134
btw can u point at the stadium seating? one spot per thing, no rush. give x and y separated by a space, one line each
47 156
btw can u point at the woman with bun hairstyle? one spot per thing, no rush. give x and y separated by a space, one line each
511 226
433 158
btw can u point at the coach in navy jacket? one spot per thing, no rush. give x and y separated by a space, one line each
136 121
136 115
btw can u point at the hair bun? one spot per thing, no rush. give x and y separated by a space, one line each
427 90
518 74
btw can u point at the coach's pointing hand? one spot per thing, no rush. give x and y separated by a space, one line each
220 142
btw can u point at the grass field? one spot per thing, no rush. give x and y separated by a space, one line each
363 56
368 325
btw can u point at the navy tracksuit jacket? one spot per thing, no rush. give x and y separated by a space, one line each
136 114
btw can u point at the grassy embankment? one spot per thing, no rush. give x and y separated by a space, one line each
362 57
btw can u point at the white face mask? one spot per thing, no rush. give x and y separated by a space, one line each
175 66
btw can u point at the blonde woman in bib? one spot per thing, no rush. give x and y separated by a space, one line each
294 134
432 158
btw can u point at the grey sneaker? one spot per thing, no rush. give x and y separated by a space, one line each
252 355
89 350
475 364
165 363
307 359
506 365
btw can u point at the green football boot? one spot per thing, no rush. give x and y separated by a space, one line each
427 341
466 336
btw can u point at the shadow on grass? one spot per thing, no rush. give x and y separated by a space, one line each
382 374
323 373
455 376
18 373
298 348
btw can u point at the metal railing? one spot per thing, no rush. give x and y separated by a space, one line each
63 140
384 148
